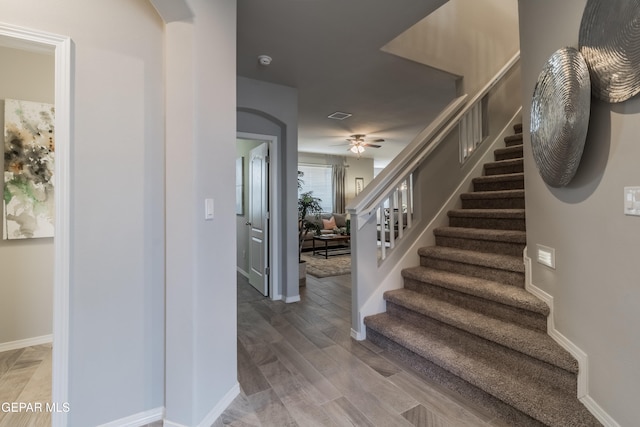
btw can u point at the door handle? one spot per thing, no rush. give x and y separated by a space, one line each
247 223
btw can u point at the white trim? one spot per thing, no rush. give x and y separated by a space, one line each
61 45
275 217
28 342
598 412
215 413
217 410
574 350
359 336
241 271
292 299
139 419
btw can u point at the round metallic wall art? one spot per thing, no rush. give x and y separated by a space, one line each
560 116
609 41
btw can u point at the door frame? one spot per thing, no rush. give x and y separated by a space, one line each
275 221
61 46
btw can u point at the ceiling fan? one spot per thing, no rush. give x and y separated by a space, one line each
358 143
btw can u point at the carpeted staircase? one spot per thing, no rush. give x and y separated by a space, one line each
464 318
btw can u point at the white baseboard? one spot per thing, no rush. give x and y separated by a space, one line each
292 299
359 336
241 271
217 410
574 350
13 345
139 419
215 413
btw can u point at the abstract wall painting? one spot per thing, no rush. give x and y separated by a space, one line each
29 147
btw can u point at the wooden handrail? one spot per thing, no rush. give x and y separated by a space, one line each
417 151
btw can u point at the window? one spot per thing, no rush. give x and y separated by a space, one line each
319 179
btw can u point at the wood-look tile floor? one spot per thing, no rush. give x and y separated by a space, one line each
299 366
25 376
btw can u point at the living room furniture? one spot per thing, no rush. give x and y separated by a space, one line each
341 244
341 227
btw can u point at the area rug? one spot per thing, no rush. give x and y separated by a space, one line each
319 267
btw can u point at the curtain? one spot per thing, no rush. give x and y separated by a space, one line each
339 173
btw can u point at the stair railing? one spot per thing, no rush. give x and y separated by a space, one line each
384 212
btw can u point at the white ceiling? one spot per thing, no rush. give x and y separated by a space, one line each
330 51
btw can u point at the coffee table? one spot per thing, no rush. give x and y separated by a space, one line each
326 238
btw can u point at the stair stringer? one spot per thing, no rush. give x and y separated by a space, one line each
567 344
405 256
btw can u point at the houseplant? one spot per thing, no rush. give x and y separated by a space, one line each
307 205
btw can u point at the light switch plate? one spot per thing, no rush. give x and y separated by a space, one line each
208 209
632 201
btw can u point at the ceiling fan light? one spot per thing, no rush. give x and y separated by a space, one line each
360 149
354 149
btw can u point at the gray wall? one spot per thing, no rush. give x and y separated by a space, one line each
117 245
201 318
269 109
26 266
595 283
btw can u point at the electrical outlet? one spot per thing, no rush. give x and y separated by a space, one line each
632 201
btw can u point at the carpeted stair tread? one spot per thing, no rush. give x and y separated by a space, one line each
495 261
499 194
511 152
482 288
516 139
488 213
509 236
533 343
507 181
503 163
517 128
488 371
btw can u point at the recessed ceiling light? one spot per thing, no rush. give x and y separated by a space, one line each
338 115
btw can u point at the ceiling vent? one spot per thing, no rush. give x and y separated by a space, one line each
338 115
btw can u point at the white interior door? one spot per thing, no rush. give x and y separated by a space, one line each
259 218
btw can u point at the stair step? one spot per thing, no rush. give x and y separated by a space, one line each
501 268
504 166
512 152
505 242
535 344
516 139
517 128
513 181
509 303
502 199
478 364
497 219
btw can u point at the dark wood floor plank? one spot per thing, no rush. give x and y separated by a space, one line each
249 376
391 395
436 402
294 397
316 385
344 414
422 417
270 410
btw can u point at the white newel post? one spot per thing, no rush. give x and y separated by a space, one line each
364 269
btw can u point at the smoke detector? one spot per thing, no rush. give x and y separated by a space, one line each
264 60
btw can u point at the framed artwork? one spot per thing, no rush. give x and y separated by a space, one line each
240 186
359 185
29 147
